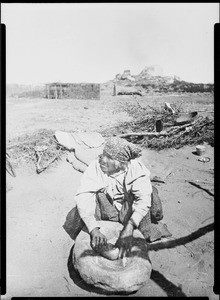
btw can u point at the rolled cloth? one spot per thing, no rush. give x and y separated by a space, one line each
121 149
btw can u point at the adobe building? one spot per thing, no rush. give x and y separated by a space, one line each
58 90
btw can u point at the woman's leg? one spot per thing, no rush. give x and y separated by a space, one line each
104 211
108 212
150 231
126 210
156 209
73 224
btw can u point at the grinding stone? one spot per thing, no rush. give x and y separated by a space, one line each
121 275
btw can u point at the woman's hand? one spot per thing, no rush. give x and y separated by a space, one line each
124 242
97 238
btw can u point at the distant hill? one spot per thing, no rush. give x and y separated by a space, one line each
152 80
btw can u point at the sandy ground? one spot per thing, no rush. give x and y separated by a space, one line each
38 248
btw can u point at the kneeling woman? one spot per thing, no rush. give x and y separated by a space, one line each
117 187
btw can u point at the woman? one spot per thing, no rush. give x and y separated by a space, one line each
117 187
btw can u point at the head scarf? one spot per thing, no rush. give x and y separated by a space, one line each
121 149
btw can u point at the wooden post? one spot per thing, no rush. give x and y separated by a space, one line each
55 91
61 91
114 90
48 91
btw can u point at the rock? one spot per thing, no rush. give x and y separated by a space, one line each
169 79
109 251
126 74
176 78
154 70
118 77
130 78
121 275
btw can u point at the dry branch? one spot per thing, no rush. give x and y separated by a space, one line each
143 134
41 169
39 151
171 132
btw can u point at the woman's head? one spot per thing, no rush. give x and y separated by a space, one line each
110 165
117 153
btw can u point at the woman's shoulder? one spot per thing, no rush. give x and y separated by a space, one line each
136 168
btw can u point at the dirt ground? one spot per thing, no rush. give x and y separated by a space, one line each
38 248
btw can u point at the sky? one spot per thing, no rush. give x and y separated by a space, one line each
81 42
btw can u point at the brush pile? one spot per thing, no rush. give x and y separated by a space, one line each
39 149
142 130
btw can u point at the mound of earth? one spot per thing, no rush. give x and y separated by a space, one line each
151 79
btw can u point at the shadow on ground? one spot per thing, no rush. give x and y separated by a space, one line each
182 240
